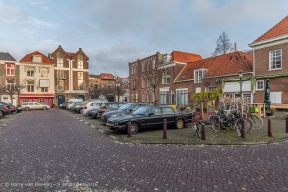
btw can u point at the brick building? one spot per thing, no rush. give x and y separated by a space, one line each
102 85
9 74
270 53
71 74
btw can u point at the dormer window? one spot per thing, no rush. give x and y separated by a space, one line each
80 62
199 74
37 59
167 59
59 59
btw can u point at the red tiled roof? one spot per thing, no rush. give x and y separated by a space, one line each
225 64
279 29
106 76
184 57
29 57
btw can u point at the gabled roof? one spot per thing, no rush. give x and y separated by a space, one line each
178 56
106 76
220 65
279 29
29 57
6 57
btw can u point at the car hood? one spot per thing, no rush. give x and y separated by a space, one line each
123 116
110 113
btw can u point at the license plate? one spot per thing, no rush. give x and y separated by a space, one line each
102 118
108 126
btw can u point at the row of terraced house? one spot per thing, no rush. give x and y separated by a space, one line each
183 74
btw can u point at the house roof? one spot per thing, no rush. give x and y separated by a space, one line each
106 76
279 29
29 57
183 57
220 65
6 57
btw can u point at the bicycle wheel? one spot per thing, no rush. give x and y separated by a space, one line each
257 121
248 125
215 124
197 127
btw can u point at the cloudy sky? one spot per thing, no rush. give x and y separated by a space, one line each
115 32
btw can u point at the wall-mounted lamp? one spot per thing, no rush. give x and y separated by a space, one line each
217 81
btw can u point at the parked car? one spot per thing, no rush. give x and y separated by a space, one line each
109 106
91 104
4 109
13 108
18 109
63 105
92 112
34 105
73 105
150 117
69 104
128 108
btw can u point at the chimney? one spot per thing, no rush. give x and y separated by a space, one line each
235 47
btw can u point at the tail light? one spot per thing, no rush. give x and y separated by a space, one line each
104 110
85 107
6 108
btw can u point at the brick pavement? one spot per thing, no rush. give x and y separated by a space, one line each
54 149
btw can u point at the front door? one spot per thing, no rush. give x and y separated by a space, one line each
60 99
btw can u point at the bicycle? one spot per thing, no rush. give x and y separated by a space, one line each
257 120
196 124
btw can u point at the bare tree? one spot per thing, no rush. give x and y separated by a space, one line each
12 89
95 92
223 45
155 80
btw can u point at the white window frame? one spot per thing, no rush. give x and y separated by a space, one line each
80 81
143 97
80 61
199 74
44 89
44 72
29 71
143 67
10 68
60 59
273 59
30 86
257 85
10 83
37 59
166 77
143 82
148 81
148 97
211 88
198 90
164 97
185 96
153 64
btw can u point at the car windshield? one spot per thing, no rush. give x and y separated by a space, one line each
141 111
124 107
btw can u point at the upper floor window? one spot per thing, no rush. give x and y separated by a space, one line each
134 69
276 59
211 88
10 69
80 80
199 74
80 62
37 59
30 86
143 67
60 59
148 81
148 64
10 83
153 64
165 77
44 72
30 71
260 85
143 82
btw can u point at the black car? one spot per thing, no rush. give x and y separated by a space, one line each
126 109
108 106
92 112
4 109
150 117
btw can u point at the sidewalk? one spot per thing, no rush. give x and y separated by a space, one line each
225 137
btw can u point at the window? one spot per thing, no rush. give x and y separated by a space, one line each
148 65
148 97
44 72
10 69
37 59
80 62
143 82
165 77
198 90
199 74
60 85
143 67
153 64
276 59
61 75
260 85
59 59
148 81
30 71
30 86
80 80
164 97
156 111
134 69
211 88
132 98
143 97
44 89
182 96
167 110
10 84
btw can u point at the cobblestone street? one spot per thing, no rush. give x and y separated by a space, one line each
53 151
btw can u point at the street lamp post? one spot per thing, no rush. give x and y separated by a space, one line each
240 72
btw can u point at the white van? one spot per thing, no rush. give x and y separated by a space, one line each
75 100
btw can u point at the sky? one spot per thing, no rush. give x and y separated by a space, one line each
113 33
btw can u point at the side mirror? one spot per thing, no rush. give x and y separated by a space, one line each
150 114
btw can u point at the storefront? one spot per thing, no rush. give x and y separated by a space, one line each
47 98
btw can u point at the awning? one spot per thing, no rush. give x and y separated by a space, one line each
37 95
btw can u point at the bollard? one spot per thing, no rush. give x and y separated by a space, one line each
129 128
269 128
242 129
164 129
287 124
203 134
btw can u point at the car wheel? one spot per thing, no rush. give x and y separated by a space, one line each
44 108
2 114
134 128
81 110
179 124
26 108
